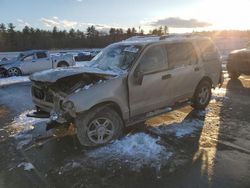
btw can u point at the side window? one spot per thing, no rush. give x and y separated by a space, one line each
28 58
153 60
41 55
181 54
208 50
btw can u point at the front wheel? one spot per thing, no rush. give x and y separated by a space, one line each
202 95
14 72
99 126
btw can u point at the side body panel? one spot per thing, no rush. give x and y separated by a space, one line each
113 90
211 63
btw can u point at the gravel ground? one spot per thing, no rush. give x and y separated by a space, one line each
183 148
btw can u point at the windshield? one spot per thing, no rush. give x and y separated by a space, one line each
118 57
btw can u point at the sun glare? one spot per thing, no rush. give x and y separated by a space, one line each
226 14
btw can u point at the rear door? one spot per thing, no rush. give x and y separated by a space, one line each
153 92
185 69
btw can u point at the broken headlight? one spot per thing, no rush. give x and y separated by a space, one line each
68 105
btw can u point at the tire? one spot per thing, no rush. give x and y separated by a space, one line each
202 95
99 126
234 75
62 64
14 71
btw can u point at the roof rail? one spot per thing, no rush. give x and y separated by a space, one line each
164 37
144 38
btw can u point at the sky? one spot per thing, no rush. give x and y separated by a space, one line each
178 15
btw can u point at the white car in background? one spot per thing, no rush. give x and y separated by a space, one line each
34 61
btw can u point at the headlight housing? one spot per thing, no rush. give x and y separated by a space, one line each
68 105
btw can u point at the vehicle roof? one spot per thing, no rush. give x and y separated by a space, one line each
145 40
32 51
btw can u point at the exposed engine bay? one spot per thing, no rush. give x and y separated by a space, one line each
65 86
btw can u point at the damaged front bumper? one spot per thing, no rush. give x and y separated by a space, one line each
56 119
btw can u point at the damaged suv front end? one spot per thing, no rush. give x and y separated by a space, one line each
54 91
63 94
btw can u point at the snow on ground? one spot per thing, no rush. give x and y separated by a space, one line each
26 166
13 80
179 130
218 94
22 127
135 151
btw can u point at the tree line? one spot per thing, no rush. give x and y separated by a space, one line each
31 38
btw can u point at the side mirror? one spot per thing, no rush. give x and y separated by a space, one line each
138 74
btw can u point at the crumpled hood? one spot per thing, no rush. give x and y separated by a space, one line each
53 75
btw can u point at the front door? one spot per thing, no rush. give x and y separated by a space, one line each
153 92
27 64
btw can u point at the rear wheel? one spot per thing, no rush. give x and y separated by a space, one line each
99 126
202 95
233 75
14 72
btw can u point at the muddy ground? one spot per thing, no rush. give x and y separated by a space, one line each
183 148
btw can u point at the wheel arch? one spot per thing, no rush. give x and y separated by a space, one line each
206 78
110 104
62 62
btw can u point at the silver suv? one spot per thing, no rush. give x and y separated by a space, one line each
128 82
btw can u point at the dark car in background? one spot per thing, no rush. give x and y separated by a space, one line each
84 56
239 63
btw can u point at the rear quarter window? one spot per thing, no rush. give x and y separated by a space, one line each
181 54
41 55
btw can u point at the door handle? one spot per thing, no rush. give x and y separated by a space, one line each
196 69
167 76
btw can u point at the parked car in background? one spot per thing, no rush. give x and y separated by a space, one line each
34 61
239 63
84 56
127 83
